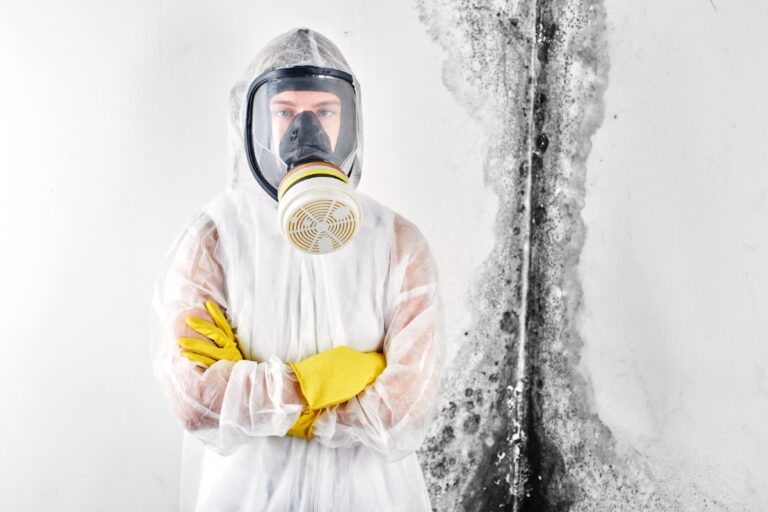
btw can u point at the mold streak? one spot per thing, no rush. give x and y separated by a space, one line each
522 380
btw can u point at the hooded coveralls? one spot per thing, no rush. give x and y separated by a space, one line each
378 293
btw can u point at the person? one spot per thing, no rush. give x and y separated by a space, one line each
305 377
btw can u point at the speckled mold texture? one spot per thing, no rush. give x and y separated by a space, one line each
468 457
517 428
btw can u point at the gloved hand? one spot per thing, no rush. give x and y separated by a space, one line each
224 342
303 426
330 378
336 375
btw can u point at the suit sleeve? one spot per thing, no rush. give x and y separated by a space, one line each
229 403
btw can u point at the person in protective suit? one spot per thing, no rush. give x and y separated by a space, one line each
297 326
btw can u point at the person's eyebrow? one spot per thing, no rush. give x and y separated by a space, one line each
327 103
282 102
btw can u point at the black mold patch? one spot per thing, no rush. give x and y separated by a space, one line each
517 428
508 323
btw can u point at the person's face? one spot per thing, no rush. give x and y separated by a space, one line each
286 105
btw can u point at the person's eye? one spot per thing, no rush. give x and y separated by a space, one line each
282 113
326 112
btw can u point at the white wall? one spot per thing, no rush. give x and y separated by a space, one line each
112 134
674 267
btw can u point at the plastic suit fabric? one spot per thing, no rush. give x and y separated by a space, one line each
379 292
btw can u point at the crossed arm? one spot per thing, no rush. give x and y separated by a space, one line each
231 402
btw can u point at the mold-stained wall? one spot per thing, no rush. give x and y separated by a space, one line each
659 415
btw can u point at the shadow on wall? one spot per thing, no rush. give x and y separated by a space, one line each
517 428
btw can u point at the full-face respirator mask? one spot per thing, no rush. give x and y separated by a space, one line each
301 140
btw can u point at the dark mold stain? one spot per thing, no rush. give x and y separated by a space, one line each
508 323
471 424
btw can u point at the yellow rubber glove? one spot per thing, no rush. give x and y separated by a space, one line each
336 375
330 378
224 344
303 426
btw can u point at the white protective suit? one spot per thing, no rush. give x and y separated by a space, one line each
379 292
